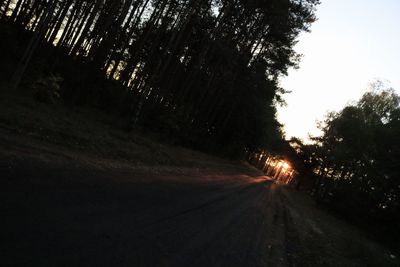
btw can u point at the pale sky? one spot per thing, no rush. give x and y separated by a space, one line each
353 43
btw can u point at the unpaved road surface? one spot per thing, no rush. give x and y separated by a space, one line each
53 215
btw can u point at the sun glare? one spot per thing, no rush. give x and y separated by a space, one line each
275 167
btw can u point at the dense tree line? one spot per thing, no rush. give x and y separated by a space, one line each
356 162
203 69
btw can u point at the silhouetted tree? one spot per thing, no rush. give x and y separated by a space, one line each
356 160
205 70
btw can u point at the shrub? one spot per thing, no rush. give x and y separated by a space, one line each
47 89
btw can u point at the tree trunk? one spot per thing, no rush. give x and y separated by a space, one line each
35 40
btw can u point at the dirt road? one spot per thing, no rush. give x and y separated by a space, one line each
54 215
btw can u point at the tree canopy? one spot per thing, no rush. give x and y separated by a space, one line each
205 70
356 160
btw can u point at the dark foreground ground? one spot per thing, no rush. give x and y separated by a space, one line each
76 191
64 213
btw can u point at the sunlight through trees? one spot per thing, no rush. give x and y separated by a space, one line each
204 70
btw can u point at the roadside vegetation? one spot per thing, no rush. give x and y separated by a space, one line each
146 81
203 72
354 167
36 131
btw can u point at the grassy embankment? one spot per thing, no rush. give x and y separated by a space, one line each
29 128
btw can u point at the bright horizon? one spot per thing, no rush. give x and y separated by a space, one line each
350 45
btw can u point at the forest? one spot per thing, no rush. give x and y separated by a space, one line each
354 166
205 73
